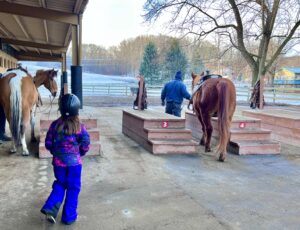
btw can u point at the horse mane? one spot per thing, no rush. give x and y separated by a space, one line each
41 71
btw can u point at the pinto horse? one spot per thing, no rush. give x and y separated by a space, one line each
19 98
213 95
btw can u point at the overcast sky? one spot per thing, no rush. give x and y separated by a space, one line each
108 22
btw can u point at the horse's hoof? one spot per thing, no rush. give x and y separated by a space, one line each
221 158
34 140
13 151
25 154
207 150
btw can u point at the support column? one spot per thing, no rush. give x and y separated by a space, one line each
76 68
64 75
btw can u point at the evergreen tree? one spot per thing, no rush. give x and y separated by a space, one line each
149 67
175 60
197 66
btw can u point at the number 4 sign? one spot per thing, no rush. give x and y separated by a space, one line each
165 124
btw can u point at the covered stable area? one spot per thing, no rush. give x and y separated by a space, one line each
125 187
42 30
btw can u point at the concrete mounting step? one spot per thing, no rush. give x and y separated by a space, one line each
94 135
160 123
277 117
168 134
246 136
254 147
173 146
240 122
89 123
91 126
158 132
249 134
151 119
285 124
95 150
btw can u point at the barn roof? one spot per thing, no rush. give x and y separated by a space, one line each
39 29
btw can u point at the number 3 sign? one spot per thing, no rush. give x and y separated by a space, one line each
165 124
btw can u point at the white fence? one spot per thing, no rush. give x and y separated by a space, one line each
271 95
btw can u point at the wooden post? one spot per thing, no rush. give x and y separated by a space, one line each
141 90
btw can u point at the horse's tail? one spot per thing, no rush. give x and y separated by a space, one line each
223 116
15 108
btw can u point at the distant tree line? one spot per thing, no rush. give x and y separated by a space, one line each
156 57
159 57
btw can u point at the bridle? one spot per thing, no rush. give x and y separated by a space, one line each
40 103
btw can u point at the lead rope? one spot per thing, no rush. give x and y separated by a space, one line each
45 109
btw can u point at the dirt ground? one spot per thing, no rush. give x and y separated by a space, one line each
128 188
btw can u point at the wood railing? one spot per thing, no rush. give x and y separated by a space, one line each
271 94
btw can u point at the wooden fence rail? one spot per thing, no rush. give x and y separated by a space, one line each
271 94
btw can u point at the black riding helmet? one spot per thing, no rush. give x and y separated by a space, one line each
69 105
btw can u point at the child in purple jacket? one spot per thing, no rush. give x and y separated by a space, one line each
67 140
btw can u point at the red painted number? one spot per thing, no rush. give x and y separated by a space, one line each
242 125
165 124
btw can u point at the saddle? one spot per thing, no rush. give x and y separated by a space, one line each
203 79
200 83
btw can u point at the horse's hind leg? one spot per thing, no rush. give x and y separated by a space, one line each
24 124
13 148
25 151
209 130
32 123
203 138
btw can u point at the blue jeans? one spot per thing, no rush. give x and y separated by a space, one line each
68 181
174 108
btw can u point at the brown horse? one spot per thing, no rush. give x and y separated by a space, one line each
215 95
19 97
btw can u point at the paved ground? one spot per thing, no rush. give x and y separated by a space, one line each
128 188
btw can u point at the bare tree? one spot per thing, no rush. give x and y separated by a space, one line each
242 22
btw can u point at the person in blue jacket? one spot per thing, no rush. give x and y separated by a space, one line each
174 92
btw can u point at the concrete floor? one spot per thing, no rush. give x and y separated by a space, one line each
128 188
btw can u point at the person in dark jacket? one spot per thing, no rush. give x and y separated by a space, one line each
174 92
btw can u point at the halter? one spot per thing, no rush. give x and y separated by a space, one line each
40 102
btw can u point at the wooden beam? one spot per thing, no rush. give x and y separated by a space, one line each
7 33
33 56
33 44
46 30
17 19
38 12
36 58
68 36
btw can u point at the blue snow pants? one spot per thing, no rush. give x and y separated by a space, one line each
68 182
